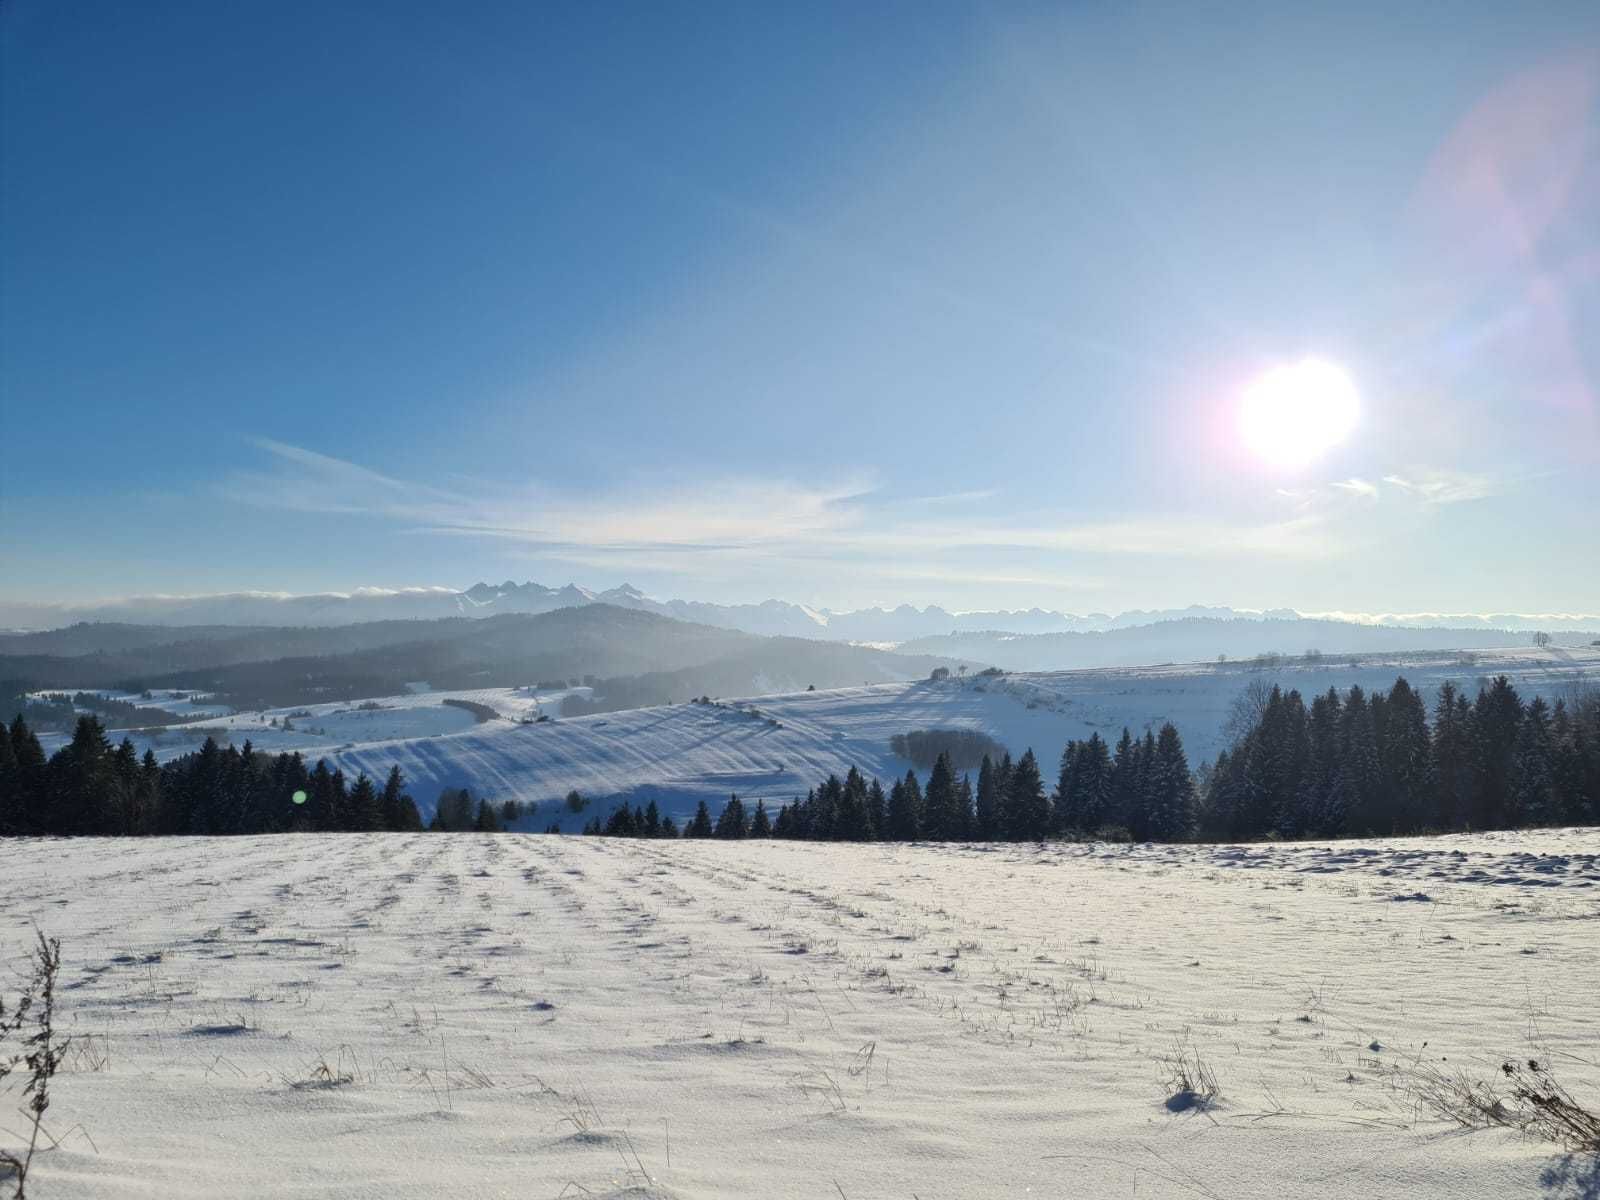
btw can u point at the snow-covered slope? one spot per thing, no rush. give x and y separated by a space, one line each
485 1016
776 747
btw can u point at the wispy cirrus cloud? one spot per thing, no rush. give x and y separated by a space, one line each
1358 487
1434 486
749 517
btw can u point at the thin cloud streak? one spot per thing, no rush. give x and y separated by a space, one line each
746 518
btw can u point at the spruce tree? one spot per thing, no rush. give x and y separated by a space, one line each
1027 804
1496 717
760 825
700 826
28 798
392 815
877 809
366 813
1358 748
1170 789
1533 794
985 812
1406 761
941 805
852 820
905 809
732 822
1453 753
1124 780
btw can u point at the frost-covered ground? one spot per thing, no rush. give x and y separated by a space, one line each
776 747
476 1016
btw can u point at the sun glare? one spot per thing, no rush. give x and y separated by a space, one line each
1295 413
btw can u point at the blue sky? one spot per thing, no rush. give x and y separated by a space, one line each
845 304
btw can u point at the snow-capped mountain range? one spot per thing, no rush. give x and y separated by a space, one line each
770 617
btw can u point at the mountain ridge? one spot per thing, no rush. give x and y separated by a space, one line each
771 617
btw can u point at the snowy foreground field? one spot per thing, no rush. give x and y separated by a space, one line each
465 1016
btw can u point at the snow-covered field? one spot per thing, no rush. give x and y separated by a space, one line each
476 1016
776 747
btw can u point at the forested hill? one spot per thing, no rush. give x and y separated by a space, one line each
642 657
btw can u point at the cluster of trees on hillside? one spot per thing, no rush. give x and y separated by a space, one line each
90 787
966 747
1360 764
1349 764
57 712
1151 794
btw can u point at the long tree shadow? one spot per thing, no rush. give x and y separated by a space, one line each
1572 1177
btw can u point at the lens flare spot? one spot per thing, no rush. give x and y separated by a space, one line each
1295 413
299 797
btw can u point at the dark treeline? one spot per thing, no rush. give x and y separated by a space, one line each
90 787
1347 764
1359 764
1149 794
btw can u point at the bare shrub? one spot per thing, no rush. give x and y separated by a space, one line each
1525 1096
40 1055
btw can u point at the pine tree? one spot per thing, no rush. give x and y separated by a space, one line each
80 779
8 783
652 821
1453 753
1027 804
732 822
760 825
964 806
941 804
877 809
1124 780
905 810
392 815
1406 760
700 826
484 822
365 811
985 813
1359 763
1496 717
1533 794
28 799
853 821
1170 789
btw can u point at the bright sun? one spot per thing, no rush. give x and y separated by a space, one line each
1294 413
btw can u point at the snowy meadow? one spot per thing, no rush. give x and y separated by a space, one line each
509 1015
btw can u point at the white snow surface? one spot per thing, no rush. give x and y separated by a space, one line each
475 1016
